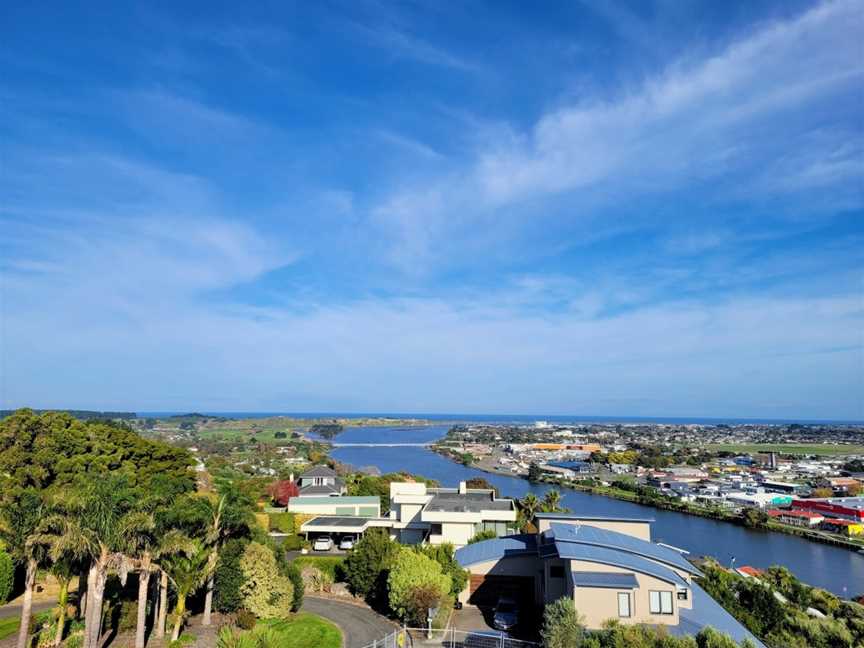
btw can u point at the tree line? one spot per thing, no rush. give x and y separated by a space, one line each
93 500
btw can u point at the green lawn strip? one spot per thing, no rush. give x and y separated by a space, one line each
305 631
9 626
789 448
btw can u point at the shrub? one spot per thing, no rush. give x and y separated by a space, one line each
7 576
368 561
282 522
444 555
330 565
245 619
414 577
480 536
562 627
296 579
292 543
265 591
229 577
315 580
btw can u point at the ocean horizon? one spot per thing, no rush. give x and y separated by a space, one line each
512 418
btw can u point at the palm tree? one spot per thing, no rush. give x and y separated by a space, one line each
65 542
172 542
187 570
19 518
551 502
229 516
139 541
530 504
108 520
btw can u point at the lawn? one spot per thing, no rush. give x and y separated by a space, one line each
9 626
825 449
306 631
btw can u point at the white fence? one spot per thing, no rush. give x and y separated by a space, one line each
448 638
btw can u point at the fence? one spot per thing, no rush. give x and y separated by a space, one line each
449 638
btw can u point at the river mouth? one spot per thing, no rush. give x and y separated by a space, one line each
840 571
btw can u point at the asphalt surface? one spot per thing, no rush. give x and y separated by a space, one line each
13 610
360 625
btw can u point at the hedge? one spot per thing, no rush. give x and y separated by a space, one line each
330 565
7 576
282 522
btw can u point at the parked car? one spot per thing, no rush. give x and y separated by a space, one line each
347 543
323 543
506 614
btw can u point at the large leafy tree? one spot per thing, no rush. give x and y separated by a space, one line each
367 565
445 556
415 579
266 591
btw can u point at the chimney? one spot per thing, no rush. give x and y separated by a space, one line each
463 488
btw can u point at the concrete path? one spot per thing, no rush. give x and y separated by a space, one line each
360 625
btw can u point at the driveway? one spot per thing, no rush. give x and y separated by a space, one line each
14 609
360 625
470 617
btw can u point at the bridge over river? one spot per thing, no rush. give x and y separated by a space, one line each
381 445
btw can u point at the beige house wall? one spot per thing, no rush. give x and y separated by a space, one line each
599 604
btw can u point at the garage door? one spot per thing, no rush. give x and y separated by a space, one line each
485 590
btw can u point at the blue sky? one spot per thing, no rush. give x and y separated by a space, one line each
646 208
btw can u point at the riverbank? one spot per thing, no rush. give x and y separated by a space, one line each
662 502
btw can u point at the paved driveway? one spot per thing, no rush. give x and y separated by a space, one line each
360 625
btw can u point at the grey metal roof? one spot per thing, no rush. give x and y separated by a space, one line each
590 535
319 471
618 558
708 612
326 521
597 518
467 503
497 548
604 579
319 489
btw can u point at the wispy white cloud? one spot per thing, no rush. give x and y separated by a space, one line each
697 121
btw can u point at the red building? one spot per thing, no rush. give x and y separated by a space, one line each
845 508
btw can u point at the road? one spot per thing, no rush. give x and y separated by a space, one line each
360 625
12 610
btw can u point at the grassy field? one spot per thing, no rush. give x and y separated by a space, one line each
306 631
824 449
9 626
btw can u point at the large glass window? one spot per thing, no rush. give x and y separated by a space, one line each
623 604
660 602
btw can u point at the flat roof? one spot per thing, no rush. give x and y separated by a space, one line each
336 500
353 522
609 580
455 502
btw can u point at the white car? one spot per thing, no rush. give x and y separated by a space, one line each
324 543
347 543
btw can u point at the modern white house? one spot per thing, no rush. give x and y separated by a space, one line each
418 514
608 566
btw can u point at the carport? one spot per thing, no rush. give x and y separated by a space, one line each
340 526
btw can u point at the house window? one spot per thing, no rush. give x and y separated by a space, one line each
556 571
623 604
435 529
660 602
682 595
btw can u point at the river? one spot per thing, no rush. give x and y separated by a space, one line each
838 570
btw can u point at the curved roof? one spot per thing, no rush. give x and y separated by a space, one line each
595 536
497 548
618 558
